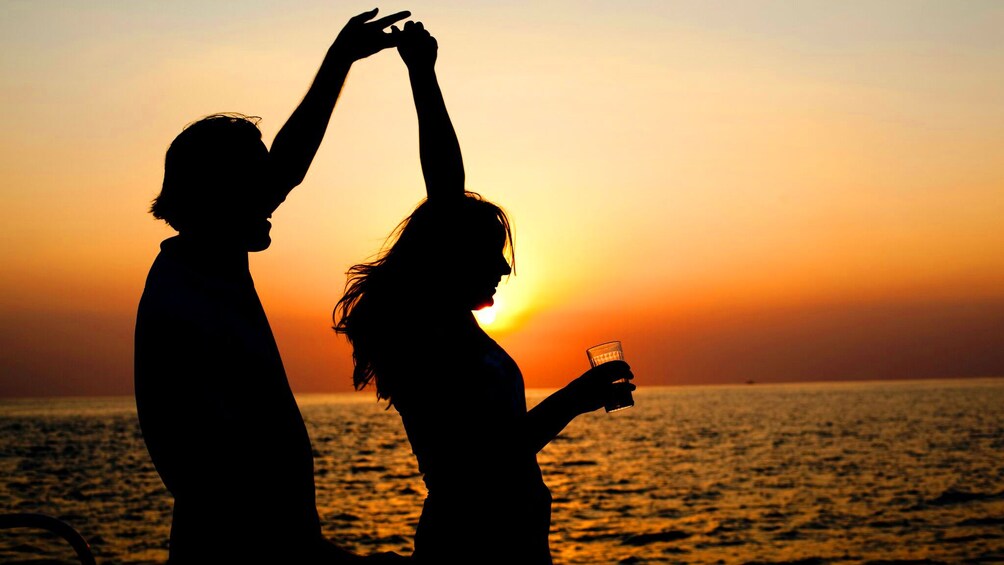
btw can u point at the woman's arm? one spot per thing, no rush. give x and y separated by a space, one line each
297 142
585 394
439 148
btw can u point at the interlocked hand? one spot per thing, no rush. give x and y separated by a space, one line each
361 37
416 45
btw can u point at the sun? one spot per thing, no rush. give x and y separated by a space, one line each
487 316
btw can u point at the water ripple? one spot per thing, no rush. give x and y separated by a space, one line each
877 473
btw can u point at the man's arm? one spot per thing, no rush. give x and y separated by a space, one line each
439 149
297 142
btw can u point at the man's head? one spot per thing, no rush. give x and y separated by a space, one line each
216 182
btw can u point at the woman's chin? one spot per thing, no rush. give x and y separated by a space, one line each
485 303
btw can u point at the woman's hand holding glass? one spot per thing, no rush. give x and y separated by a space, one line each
592 390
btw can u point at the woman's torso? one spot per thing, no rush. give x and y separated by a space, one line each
462 401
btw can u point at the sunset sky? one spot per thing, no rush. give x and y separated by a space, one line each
775 191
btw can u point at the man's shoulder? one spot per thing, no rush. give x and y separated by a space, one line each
167 277
174 290
178 269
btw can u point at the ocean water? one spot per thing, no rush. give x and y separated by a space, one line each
802 473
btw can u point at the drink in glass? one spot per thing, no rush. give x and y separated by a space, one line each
620 397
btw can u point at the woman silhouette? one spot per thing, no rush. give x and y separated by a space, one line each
460 396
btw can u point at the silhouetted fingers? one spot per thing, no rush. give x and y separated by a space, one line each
420 30
391 39
621 387
615 371
617 365
414 26
364 17
391 19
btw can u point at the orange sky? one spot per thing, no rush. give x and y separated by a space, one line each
754 191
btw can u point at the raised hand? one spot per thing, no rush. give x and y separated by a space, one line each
418 48
438 147
361 37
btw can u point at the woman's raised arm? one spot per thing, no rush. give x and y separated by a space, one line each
439 149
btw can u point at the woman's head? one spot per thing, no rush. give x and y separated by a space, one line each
448 255
452 252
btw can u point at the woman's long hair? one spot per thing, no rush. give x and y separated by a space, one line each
425 246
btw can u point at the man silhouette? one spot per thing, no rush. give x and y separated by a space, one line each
215 407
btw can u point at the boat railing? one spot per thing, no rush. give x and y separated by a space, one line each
54 525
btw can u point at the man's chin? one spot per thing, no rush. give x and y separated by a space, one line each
259 244
258 236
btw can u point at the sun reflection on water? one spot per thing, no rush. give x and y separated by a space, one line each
826 473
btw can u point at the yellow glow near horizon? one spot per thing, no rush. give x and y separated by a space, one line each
665 166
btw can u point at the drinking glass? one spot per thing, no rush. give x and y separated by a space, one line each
621 397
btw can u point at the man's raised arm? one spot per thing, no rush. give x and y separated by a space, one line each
296 143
